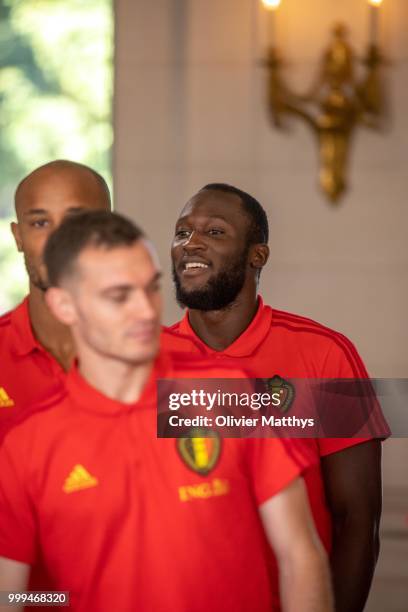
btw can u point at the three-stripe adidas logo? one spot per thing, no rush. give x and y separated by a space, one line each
5 400
79 478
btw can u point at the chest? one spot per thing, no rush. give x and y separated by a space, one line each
119 467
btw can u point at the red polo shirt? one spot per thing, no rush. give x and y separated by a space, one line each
126 521
28 373
290 346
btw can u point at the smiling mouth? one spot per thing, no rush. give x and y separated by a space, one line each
193 268
193 265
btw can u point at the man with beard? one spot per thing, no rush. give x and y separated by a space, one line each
35 348
218 252
117 513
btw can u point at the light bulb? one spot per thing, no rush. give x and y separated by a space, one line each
271 5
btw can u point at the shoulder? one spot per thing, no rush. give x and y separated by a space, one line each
304 327
300 324
5 320
8 318
38 417
5 335
328 345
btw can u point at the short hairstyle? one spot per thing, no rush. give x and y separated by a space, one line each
64 165
96 228
258 231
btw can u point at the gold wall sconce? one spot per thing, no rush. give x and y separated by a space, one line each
337 103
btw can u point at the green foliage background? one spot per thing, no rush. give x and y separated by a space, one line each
55 101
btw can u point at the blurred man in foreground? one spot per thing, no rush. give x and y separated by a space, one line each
84 478
35 348
218 252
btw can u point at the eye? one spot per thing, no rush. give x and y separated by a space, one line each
215 231
39 223
118 298
182 233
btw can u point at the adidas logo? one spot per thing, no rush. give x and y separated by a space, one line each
78 479
5 400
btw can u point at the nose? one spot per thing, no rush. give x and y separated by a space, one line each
194 242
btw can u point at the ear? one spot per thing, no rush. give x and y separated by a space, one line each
61 304
15 228
259 255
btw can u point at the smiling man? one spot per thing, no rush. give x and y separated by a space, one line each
111 508
218 252
35 348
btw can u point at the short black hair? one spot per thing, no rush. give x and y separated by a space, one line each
97 228
259 229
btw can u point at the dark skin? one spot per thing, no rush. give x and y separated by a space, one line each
352 480
352 477
204 231
42 200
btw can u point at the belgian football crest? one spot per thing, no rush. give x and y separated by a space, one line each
199 453
285 389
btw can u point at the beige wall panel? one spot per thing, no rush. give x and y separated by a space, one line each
190 108
220 31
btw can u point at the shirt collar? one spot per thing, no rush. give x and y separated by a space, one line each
91 399
246 344
24 341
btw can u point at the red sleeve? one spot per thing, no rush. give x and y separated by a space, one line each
327 446
17 522
274 463
343 361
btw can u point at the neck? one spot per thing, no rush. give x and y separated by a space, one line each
118 380
219 328
51 334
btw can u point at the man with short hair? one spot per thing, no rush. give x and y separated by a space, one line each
218 251
35 348
85 480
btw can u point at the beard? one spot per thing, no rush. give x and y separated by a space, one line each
35 276
219 291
